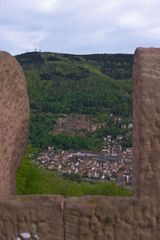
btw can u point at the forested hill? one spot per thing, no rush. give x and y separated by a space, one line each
117 66
89 84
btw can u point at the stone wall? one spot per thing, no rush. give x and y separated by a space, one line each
88 217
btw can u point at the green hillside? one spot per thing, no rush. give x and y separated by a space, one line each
75 84
89 84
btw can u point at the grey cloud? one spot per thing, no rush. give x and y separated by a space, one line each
79 26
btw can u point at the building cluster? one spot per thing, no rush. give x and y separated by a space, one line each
73 123
109 164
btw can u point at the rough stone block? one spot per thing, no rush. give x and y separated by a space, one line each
14 121
40 216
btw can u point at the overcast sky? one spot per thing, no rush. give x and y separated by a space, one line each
79 26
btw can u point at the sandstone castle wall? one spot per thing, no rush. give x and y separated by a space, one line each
88 217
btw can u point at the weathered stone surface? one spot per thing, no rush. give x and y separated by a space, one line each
14 120
113 218
36 215
97 217
147 122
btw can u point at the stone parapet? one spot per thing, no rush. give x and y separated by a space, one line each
88 217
